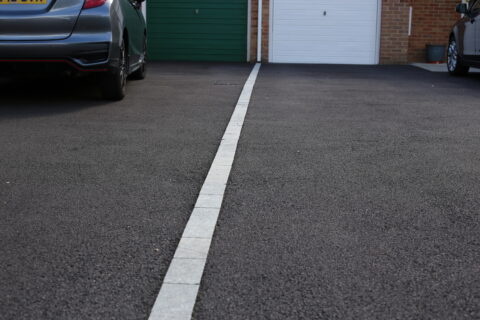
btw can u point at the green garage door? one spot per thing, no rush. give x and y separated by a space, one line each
197 30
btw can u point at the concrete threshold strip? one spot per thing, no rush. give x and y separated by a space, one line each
179 290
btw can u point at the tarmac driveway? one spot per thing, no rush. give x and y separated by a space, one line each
94 195
354 195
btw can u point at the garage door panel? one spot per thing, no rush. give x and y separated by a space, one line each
319 14
201 4
303 39
324 31
207 51
208 36
201 29
302 21
328 58
203 44
342 5
325 60
210 13
197 30
324 47
312 19
348 52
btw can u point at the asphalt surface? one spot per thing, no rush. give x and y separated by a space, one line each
354 195
94 196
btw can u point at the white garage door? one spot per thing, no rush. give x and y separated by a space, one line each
324 31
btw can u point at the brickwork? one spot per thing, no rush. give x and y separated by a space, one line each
266 29
253 30
394 31
431 24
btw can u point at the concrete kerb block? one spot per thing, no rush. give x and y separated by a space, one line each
209 201
193 248
175 302
185 271
213 189
225 161
202 223
217 176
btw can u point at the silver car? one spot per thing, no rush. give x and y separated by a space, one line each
108 37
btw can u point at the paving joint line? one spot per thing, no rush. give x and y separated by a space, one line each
180 287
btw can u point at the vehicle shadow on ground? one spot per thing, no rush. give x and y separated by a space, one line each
471 76
46 95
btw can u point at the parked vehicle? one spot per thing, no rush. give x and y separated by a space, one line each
108 37
464 45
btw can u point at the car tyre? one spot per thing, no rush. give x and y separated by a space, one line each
454 62
114 83
141 72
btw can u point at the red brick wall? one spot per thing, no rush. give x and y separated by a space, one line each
394 31
431 24
253 30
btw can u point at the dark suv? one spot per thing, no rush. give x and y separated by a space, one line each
464 46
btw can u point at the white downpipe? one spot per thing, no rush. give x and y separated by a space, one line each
410 20
144 10
260 29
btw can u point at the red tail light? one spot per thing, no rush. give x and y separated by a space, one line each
93 3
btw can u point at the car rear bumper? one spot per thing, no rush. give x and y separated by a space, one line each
77 52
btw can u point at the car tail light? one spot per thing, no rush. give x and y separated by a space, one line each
93 3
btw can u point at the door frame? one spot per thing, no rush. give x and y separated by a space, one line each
377 36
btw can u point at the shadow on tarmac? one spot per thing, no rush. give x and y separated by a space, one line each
33 96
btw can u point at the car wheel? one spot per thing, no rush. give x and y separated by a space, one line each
454 62
141 72
114 83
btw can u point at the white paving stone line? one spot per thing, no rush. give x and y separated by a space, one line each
178 294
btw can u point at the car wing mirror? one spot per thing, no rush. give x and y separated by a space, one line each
462 8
